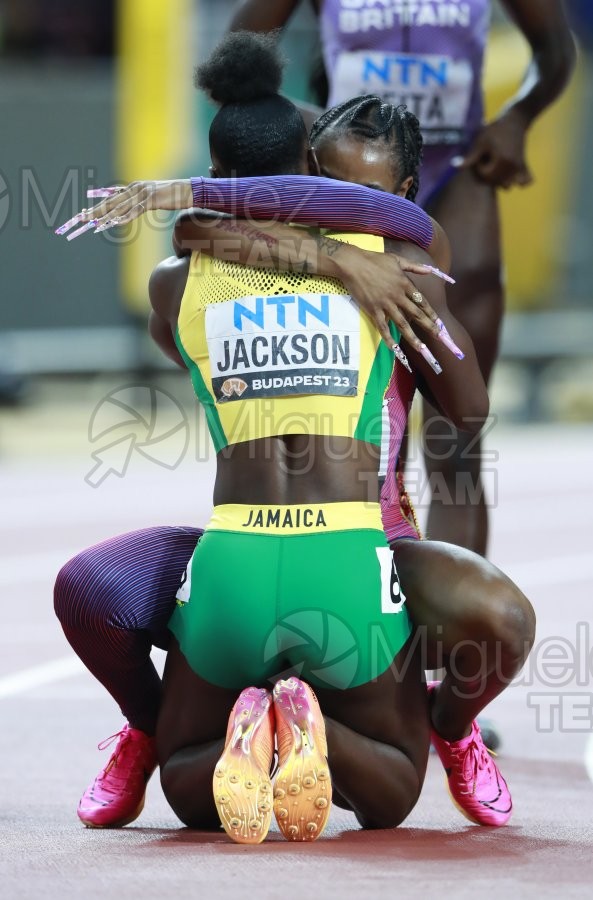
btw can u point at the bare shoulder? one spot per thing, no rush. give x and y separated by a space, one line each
411 251
166 286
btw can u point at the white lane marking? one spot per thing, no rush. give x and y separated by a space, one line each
38 676
589 757
56 670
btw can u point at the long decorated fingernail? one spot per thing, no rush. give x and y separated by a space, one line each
79 231
104 226
69 224
401 356
430 359
104 192
448 341
440 274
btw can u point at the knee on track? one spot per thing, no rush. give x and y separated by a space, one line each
194 811
395 806
395 810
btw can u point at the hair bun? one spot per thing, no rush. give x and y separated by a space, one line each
245 66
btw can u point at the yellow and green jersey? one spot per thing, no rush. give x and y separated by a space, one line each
275 353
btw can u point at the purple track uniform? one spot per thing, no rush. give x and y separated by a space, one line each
427 54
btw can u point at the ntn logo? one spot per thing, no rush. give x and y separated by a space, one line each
408 70
259 309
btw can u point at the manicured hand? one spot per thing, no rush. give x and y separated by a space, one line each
379 285
497 154
123 204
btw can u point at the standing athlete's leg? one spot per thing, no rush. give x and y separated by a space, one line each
468 211
114 601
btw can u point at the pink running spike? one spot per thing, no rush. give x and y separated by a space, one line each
475 783
116 796
241 782
302 790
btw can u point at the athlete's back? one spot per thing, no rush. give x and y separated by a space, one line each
293 378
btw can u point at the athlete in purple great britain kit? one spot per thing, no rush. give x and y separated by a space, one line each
428 54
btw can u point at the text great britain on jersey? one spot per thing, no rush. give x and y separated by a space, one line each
366 15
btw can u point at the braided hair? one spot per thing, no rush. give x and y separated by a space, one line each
370 118
255 131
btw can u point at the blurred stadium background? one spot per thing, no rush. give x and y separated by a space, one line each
100 92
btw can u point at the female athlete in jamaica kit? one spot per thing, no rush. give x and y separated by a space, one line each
429 54
293 380
280 498
488 609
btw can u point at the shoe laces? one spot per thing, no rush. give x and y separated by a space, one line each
473 761
124 743
107 741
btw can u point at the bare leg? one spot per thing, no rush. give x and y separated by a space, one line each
468 211
471 619
190 738
378 739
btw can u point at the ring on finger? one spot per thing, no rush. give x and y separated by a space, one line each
417 297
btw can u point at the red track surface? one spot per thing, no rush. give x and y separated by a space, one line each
50 724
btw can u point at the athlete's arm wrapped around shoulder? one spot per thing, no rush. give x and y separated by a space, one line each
459 390
377 282
306 200
317 201
379 287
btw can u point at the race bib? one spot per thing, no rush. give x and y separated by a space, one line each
392 596
278 346
437 89
184 590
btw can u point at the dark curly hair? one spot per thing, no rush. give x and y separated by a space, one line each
370 118
256 131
